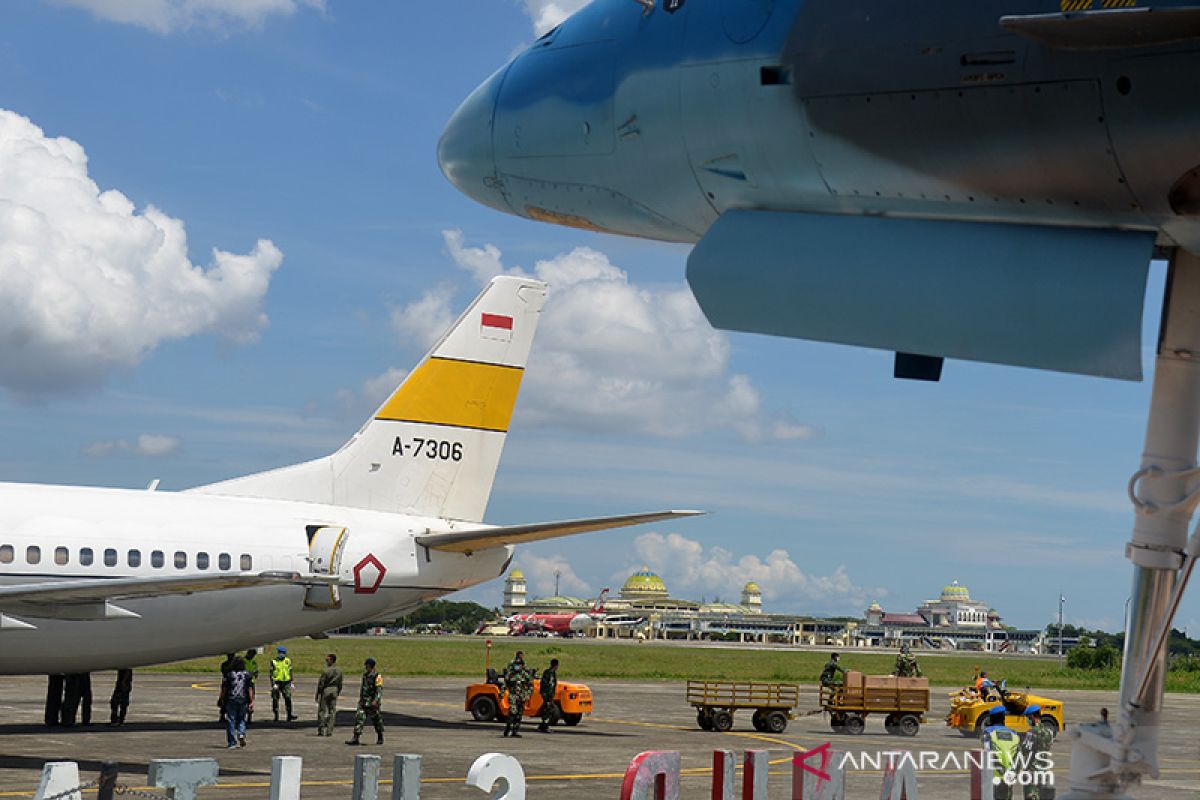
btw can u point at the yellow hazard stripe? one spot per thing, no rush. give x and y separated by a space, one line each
1120 3
1075 5
465 394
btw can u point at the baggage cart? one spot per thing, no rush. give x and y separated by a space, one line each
716 701
903 702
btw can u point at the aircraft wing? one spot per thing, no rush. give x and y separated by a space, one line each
92 598
1108 28
483 538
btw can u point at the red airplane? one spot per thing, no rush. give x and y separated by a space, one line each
564 624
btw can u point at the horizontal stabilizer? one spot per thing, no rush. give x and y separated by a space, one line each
1105 29
56 599
483 538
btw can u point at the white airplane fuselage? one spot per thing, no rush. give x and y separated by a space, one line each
107 578
382 572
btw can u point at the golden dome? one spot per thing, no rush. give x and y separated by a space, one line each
752 587
516 575
644 583
955 592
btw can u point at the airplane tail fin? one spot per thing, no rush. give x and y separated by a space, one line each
434 445
598 606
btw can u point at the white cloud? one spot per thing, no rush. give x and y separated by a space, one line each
548 13
613 356
539 575
428 318
168 16
370 395
690 569
88 285
379 388
150 445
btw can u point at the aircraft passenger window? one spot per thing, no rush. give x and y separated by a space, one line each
85 556
247 562
6 554
180 559
33 554
110 557
156 559
201 560
224 562
135 558
61 556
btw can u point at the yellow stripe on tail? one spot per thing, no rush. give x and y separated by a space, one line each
465 394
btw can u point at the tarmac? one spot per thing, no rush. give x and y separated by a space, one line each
175 716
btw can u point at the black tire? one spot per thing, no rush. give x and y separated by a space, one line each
484 708
722 721
980 724
855 725
908 725
775 722
1051 725
759 720
704 720
891 724
571 719
838 723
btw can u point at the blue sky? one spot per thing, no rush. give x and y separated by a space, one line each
282 244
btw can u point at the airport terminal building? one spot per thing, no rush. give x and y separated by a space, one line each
954 621
644 608
644 596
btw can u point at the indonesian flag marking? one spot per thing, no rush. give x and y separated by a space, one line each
496 326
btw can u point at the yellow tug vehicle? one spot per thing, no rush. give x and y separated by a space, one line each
969 710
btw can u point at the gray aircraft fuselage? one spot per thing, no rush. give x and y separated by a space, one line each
857 137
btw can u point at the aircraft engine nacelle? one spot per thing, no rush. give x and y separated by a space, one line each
582 622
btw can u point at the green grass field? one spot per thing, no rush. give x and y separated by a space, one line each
464 656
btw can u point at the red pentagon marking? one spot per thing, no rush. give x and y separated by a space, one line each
368 574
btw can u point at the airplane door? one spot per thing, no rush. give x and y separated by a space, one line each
325 546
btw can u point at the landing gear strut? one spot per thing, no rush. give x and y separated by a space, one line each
1105 761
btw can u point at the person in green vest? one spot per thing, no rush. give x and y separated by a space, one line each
281 683
329 686
1001 745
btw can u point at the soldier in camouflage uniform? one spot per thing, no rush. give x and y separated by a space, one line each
547 688
906 664
370 698
830 674
1039 739
329 686
518 684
